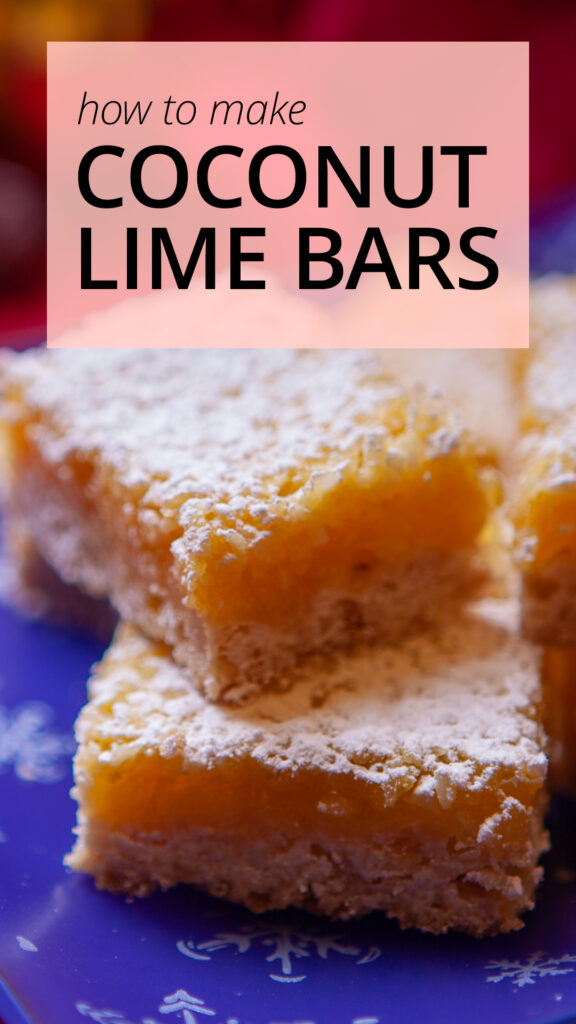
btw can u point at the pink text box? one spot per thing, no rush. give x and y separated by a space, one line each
419 100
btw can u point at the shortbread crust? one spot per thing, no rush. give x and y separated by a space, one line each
30 584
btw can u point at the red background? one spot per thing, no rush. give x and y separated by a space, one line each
26 24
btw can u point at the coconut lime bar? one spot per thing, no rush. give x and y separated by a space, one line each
245 507
545 506
406 779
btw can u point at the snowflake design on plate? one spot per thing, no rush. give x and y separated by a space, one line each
284 945
181 1002
109 1016
28 743
527 972
187 1007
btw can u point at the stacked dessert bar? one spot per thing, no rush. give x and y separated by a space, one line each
306 701
544 512
545 506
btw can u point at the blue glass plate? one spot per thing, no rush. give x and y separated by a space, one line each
70 954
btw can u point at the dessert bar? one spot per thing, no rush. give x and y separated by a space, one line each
245 507
405 779
545 506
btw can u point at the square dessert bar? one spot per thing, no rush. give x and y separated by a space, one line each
545 506
245 507
405 779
